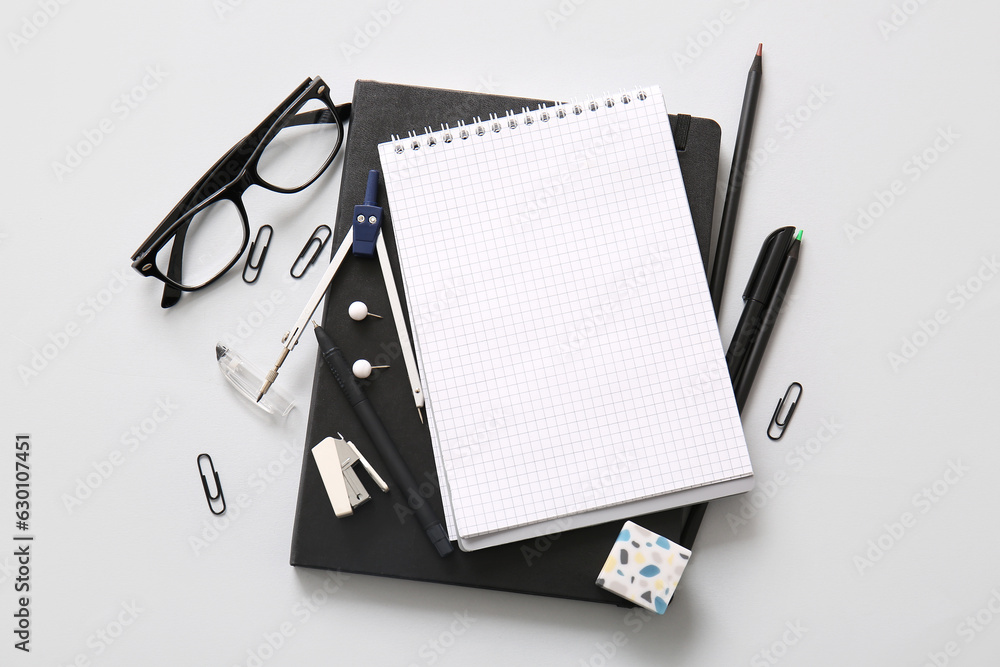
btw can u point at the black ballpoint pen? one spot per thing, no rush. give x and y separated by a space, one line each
387 449
759 287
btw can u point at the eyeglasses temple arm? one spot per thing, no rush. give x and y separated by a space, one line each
317 116
171 295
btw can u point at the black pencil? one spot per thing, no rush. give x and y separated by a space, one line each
717 282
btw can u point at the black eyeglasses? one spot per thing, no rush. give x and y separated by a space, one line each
207 231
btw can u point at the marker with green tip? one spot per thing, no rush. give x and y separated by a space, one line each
742 388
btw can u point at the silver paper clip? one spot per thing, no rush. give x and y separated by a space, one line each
335 458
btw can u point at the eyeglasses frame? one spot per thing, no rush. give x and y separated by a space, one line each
236 174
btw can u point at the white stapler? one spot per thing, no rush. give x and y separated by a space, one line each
335 458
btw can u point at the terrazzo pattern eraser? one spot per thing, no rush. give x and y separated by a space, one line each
644 567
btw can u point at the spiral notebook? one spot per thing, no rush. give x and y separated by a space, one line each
377 543
567 342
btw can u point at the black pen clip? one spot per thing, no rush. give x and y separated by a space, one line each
263 253
218 486
788 417
318 238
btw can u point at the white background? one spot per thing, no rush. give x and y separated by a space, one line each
826 551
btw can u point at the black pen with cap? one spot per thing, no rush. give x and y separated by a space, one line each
741 387
387 449
756 295
759 335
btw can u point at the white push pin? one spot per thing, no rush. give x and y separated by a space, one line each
362 368
359 311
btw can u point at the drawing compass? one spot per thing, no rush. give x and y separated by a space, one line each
363 240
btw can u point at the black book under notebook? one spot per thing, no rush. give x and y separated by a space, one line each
383 538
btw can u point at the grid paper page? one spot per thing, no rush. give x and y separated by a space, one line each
567 342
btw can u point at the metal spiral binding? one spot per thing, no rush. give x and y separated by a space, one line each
526 117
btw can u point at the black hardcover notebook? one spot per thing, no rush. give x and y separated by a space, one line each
383 538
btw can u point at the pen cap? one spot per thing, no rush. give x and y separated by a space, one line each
769 260
248 380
